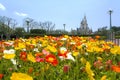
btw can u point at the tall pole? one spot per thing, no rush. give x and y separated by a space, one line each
64 27
110 12
27 26
111 35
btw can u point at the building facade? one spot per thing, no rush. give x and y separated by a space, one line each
84 29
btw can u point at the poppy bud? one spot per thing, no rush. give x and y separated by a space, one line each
66 68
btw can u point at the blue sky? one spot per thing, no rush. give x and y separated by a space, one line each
69 12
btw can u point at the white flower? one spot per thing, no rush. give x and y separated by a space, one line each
14 61
61 57
86 54
72 43
36 50
69 56
6 51
63 49
39 45
11 51
24 49
63 39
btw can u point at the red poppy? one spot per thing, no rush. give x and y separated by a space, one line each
116 68
23 56
51 59
1 76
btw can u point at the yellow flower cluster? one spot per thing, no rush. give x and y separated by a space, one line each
20 76
89 71
115 50
51 48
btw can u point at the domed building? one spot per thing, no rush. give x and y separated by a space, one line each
84 29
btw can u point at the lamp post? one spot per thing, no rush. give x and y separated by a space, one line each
27 25
111 34
110 12
64 27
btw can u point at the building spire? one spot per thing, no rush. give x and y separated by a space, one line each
85 20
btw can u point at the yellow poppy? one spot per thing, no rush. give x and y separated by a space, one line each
30 57
20 76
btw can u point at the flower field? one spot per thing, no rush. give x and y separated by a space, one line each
59 58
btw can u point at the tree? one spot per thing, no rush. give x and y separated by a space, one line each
5 26
38 31
102 31
49 26
59 31
115 28
73 32
2 25
14 24
19 31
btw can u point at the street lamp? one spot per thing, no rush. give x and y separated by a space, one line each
110 12
27 21
64 27
111 34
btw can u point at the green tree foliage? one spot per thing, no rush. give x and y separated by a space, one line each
7 26
116 29
38 31
102 31
19 31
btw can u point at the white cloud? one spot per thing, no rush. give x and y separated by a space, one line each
21 14
2 7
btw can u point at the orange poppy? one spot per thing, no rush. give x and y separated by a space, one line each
97 37
29 46
38 54
1 76
116 68
23 56
51 59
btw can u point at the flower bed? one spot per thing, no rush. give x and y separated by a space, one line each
59 58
